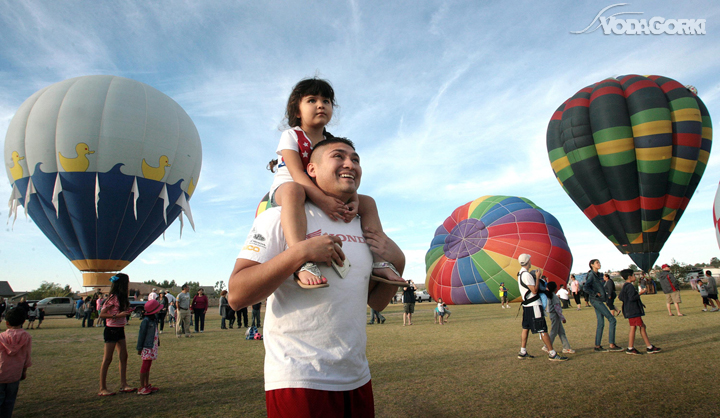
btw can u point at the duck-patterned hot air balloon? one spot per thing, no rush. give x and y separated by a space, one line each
477 247
76 155
630 152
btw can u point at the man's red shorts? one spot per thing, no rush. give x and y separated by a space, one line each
309 403
636 322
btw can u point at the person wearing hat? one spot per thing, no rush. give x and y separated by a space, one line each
533 313
671 288
153 295
147 345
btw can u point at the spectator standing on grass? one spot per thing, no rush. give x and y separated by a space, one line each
564 297
376 315
230 316
153 294
320 332
256 314
115 311
701 287
172 315
24 305
31 315
182 310
671 287
242 312
87 313
503 293
79 309
557 319
147 345
40 316
15 350
611 295
408 302
712 288
533 314
98 306
165 302
575 288
441 311
223 307
633 310
200 306
598 297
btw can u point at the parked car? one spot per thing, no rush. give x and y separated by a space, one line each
423 296
138 308
58 306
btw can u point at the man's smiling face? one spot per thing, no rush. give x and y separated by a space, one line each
336 170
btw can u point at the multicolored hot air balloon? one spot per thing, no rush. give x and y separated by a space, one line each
630 152
263 205
477 247
103 165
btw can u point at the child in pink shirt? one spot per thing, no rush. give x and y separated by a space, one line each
15 347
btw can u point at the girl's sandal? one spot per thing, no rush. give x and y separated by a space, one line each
383 265
315 271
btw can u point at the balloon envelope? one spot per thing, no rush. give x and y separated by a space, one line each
477 247
102 165
716 214
630 153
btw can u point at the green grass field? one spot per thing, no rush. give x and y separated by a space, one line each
466 368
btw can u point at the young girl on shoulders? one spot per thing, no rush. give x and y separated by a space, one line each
309 109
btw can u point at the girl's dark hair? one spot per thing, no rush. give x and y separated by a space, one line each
552 286
307 87
592 262
119 288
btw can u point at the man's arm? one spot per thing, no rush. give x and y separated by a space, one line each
379 294
251 281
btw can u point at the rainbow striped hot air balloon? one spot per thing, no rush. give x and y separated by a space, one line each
630 152
477 247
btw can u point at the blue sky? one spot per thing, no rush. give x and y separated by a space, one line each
447 101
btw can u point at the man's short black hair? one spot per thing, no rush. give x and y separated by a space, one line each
15 317
185 286
626 273
332 140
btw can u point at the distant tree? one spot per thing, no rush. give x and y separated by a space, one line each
193 287
679 270
656 267
47 290
633 267
714 262
219 286
164 284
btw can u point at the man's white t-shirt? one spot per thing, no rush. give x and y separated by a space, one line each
315 339
563 294
529 280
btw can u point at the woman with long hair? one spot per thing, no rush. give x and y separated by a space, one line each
115 311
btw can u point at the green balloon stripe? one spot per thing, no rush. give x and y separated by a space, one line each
650 115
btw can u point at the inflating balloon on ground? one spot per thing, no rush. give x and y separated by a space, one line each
477 247
103 165
630 152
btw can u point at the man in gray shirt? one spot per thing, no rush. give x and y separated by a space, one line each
712 289
182 308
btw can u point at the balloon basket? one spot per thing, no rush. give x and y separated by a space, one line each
95 279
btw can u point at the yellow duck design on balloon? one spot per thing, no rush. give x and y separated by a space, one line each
16 170
79 163
155 173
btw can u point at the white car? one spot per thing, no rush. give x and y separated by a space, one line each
423 296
